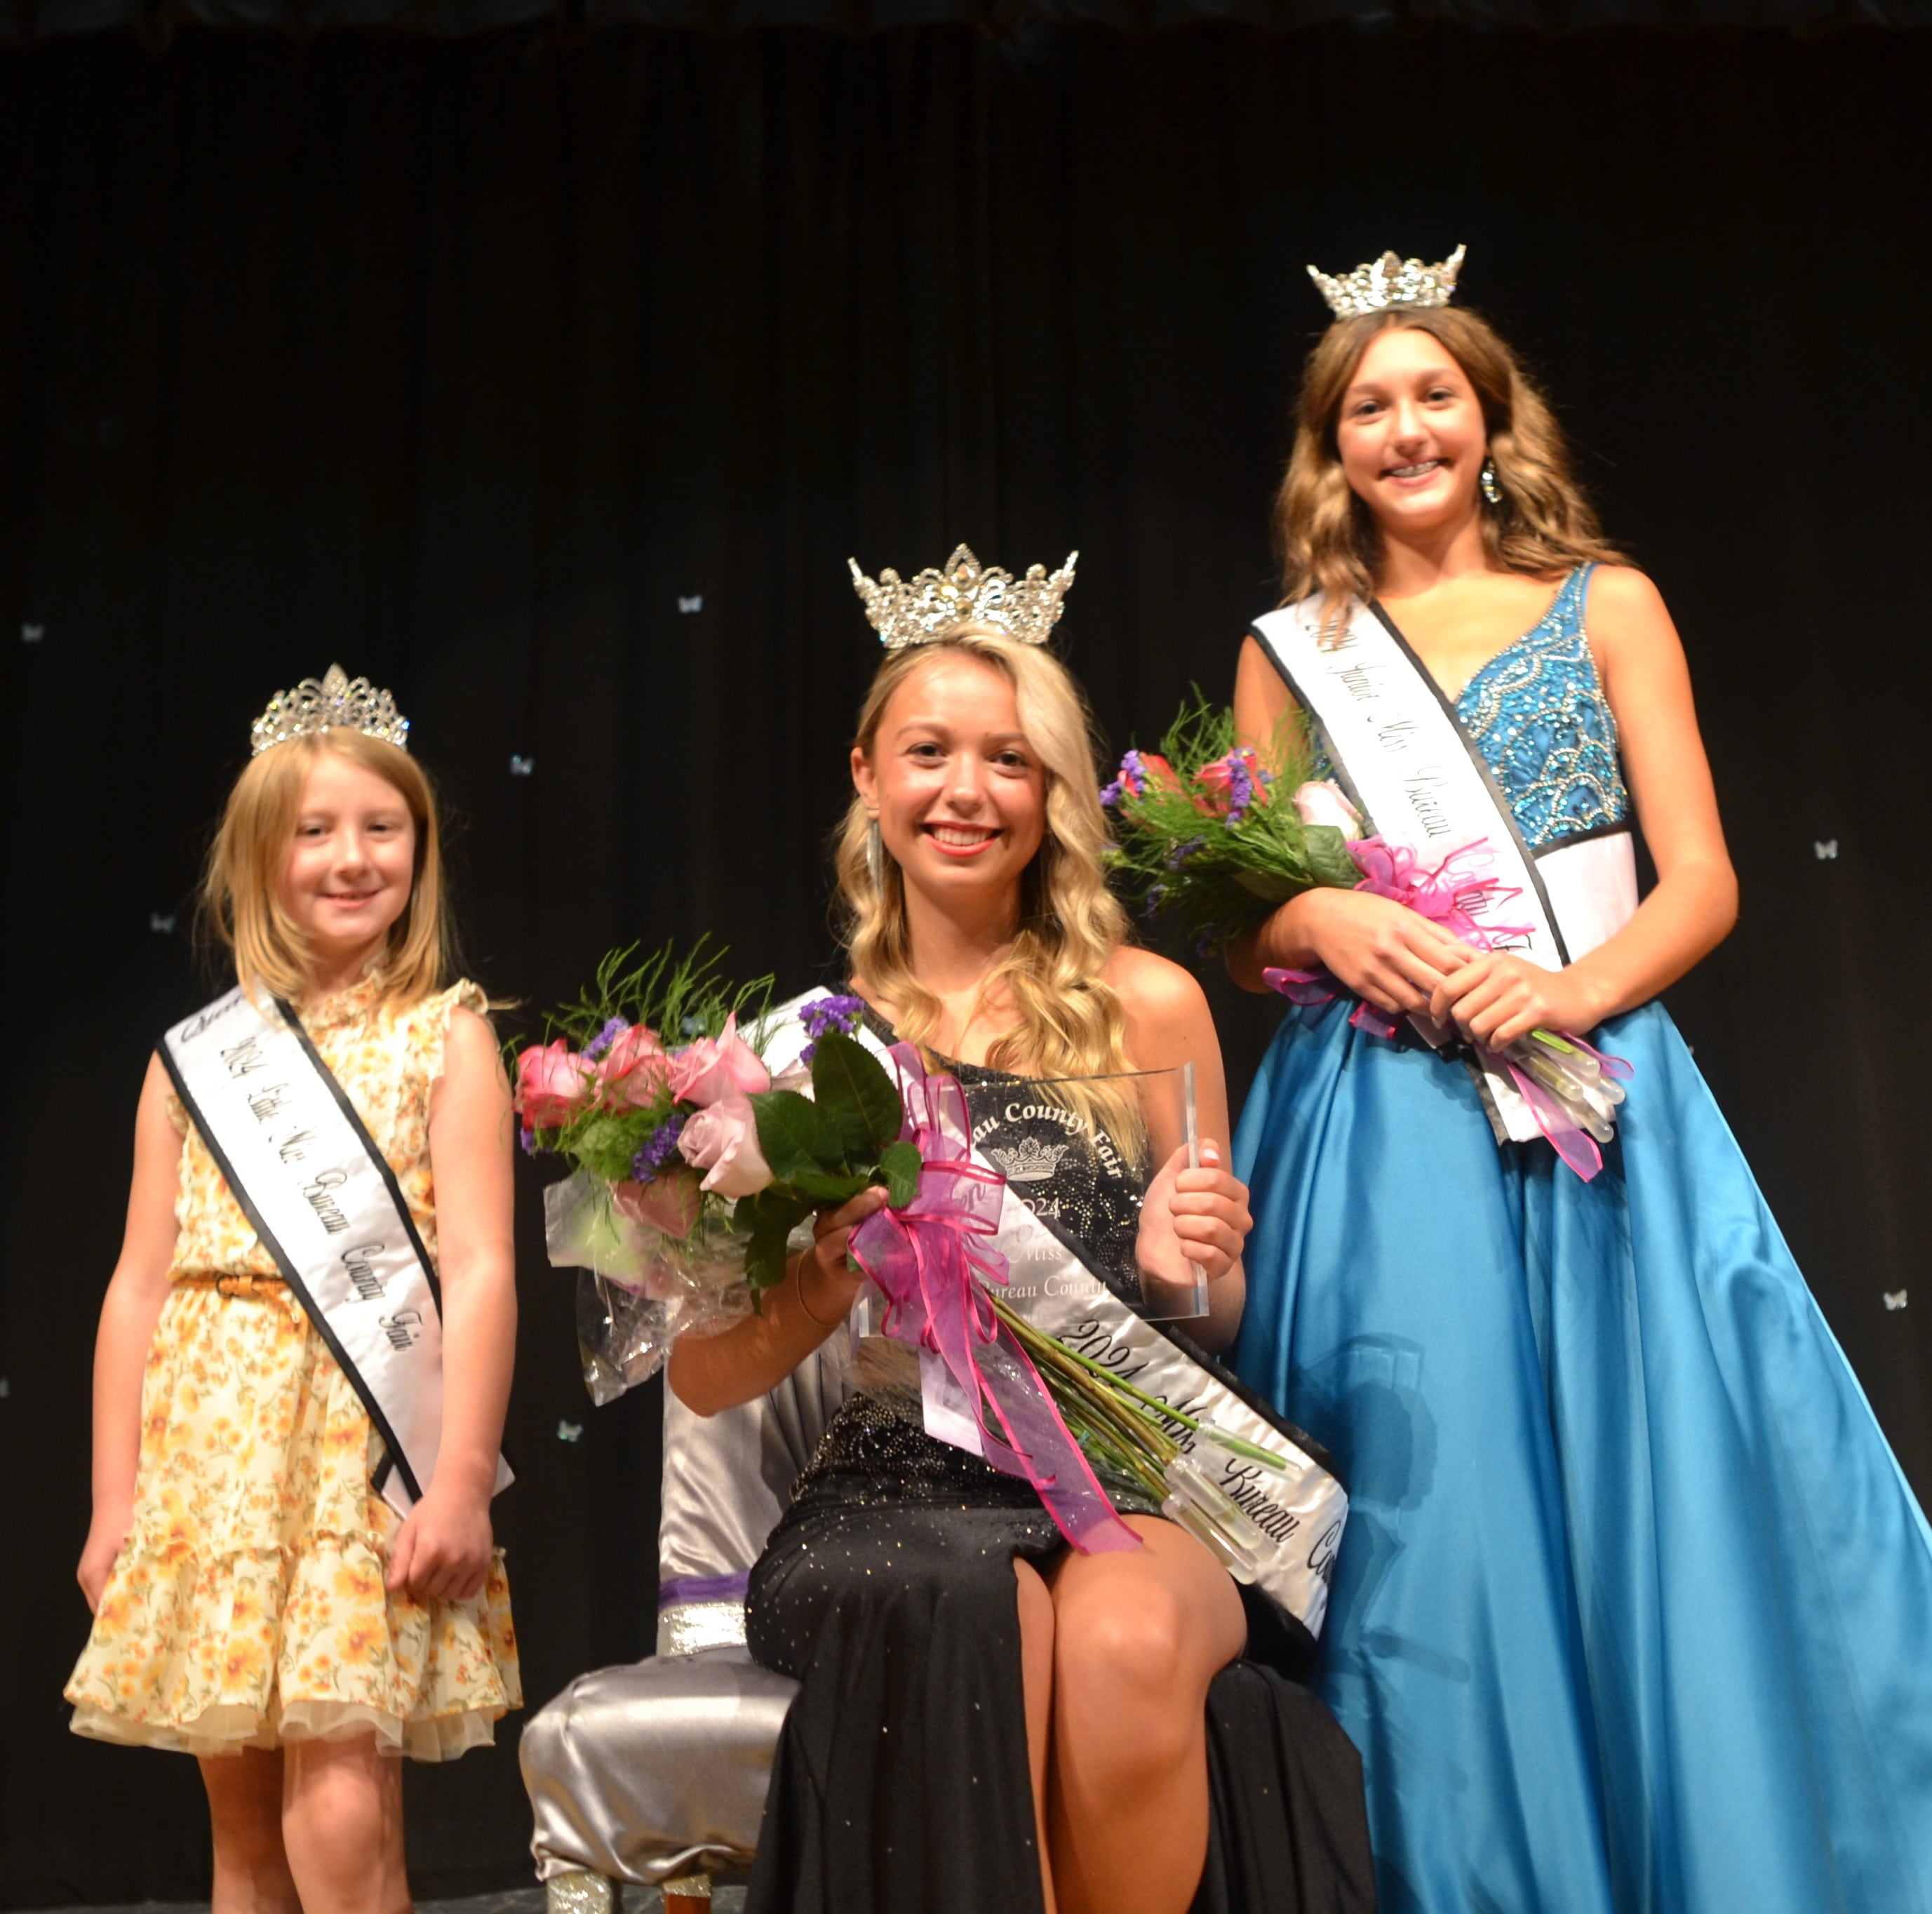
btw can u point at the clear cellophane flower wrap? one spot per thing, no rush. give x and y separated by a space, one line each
639 1288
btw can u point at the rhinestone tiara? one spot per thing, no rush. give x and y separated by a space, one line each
915 611
1389 281
334 702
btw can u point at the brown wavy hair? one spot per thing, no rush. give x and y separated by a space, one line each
1328 538
1070 1023
240 903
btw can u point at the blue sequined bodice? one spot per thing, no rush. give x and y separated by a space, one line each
1537 713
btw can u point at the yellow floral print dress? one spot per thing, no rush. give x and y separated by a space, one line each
247 1607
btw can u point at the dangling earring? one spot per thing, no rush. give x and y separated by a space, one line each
1492 490
875 857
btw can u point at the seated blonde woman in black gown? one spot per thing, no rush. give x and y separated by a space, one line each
989 1720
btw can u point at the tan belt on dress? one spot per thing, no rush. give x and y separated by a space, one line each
226 1284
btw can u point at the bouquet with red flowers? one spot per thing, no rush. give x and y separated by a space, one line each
1210 839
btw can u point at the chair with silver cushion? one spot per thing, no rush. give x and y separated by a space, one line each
656 1773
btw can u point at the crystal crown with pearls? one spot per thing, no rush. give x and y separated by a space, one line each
333 702
915 611
1389 281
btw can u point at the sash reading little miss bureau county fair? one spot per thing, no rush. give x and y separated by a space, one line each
1402 753
327 1207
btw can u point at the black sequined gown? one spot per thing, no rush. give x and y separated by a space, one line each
901 1784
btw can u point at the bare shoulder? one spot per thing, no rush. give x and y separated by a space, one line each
1164 1005
1622 599
471 1062
1630 630
158 1117
1148 984
1262 696
470 1028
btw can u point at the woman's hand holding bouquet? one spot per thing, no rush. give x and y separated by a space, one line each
1378 950
1497 1000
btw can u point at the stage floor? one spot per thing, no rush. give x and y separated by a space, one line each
520 1900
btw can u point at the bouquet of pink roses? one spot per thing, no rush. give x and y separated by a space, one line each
694 1163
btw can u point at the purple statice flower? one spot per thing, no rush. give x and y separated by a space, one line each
1132 782
607 1036
824 1015
1180 854
1241 784
659 1147
528 1139
1155 893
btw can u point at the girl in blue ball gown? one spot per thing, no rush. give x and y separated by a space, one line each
1634 1609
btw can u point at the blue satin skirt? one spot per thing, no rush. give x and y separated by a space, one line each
1634 1608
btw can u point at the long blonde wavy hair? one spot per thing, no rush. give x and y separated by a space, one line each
1069 1023
240 903
1328 536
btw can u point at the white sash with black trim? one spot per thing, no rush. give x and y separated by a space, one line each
1301 1510
296 1155
1401 753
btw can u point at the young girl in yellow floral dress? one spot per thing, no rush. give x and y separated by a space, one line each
257 1602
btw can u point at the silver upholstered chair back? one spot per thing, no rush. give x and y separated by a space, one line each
657 1771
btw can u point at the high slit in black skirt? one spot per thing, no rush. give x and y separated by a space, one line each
901 1784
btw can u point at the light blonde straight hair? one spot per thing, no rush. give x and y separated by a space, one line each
1328 536
240 905
1069 1023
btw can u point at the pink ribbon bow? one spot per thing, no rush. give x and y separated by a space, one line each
1448 895
930 1259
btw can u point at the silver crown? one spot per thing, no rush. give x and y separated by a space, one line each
1389 281
334 702
916 610
1029 1160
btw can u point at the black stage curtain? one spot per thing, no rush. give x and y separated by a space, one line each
552 386
155 22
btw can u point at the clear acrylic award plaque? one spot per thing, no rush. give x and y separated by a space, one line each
1092 1162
